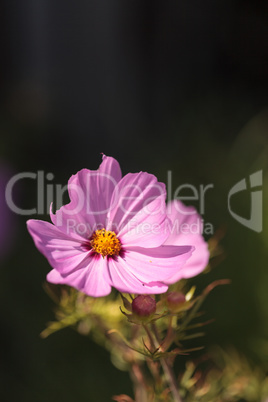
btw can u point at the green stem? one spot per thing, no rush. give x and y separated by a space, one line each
139 383
165 365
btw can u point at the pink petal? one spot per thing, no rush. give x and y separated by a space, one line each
90 193
55 277
110 169
93 281
187 228
73 221
185 221
124 280
156 264
44 232
137 211
197 263
97 283
63 253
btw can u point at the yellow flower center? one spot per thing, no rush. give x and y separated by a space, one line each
105 242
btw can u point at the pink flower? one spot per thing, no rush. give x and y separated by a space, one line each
110 234
187 228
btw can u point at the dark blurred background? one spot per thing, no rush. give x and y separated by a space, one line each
162 86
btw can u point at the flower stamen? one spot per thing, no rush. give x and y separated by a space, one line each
105 242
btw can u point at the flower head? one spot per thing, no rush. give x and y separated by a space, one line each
111 234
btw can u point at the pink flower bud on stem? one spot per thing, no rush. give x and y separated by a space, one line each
175 301
143 307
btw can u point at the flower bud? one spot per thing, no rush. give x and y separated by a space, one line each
175 301
143 306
